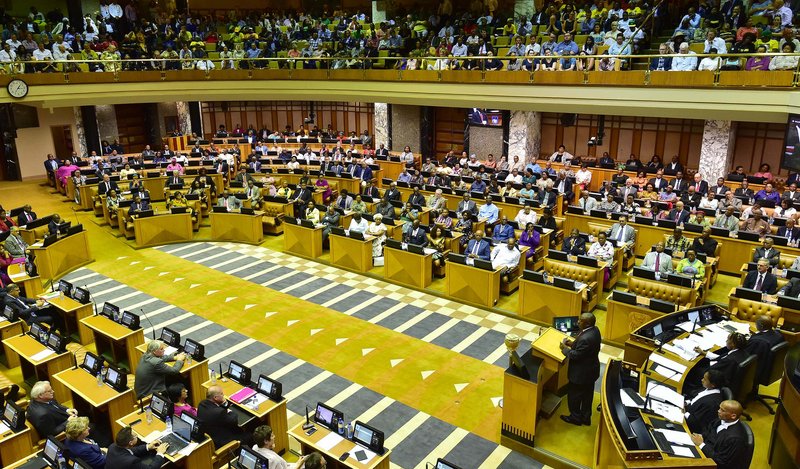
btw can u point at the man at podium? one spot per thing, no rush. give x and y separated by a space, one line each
584 368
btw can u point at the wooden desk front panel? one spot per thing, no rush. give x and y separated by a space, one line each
302 241
351 253
87 192
8 330
472 284
408 268
622 319
541 303
15 446
309 444
63 256
163 229
31 286
109 401
118 337
236 227
25 347
73 312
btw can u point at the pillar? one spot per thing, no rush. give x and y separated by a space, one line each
716 152
80 145
524 135
106 125
196 119
152 123
378 11
380 122
426 133
91 131
184 118
405 128
524 8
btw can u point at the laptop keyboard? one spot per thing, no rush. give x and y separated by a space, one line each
175 443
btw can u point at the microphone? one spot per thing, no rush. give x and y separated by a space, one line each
75 214
152 329
141 407
221 376
647 397
308 423
94 304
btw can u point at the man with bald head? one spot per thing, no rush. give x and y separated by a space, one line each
584 368
218 420
725 440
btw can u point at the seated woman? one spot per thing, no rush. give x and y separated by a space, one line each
758 63
442 218
691 266
649 193
464 226
78 180
407 216
112 202
531 238
327 192
603 251
785 210
640 180
669 196
6 259
179 396
312 213
268 185
178 200
377 229
726 360
438 241
80 446
359 206
764 172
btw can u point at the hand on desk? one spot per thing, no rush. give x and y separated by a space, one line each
181 356
697 439
39 302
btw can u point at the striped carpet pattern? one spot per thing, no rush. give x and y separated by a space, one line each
415 437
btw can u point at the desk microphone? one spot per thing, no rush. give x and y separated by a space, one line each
94 303
152 329
75 214
647 397
694 326
308 423
221 376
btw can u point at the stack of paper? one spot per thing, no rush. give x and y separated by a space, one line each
628 400
666 362
668 411
665 394
169 350
677 437
330 440
42 355
667 373
679 349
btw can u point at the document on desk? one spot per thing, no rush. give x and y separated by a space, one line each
630 398
677 437
42 355
331 440
50 296
4 428
682 451
169 350
663 393
656 357
667 373
187 450
733 326
361 454
666 410
679 349
17 276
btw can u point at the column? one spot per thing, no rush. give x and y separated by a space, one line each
716 153
106 124
152 124
524 135
91 129
378 11
405 128
524 8
80 145
426 137
184 118
380 122
196 118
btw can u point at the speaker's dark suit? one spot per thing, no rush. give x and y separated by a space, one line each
769 285
106 187
584 369
792 287
705 246
702 411
759 345
575 246
418 238
121 457
48 418
222 426
728 448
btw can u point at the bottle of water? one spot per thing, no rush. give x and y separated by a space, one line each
99 378
169 424
349 430
341 427
148 415
213 377
60 460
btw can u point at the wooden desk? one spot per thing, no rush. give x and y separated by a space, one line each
349 253
309 444
115 342
269 412
163 229
196 373
237 227
89 398
541 302
472 284
15 446
25 348
785 437
200 457
624 318
72 312
302 241
31 286
87 193
63 256
408 268
8 330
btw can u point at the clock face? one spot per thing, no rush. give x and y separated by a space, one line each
17 88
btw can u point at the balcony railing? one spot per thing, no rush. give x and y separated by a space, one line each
76 71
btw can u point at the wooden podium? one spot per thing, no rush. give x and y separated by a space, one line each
163 229
407 267
472 284
302 241
540 368
65 255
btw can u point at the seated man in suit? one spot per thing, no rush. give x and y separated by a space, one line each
768 252
505 256
254 194
761 279
756 223
217 420
679 214
416 235
106 185
658 261
466 204
705 244
729 201
728 220
174 180
31 310
623 233
701 408
574 244
760 345
26 216
792 288
725 440
47 416
791 232
242 176
55 222
153 370
392 193
502 231
229 201
477 247
127 451
546 198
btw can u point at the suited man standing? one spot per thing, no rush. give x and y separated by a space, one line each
725 440
468 205
217 420
26 216
760 345
768 252
153 369
107 185
623 233
584 369
128 452
47 416
761 280
478 248
658 260
701 408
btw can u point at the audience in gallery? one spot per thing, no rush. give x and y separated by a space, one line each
559 37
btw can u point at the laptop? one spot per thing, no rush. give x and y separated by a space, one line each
369 437
161 406
180 437
91 363
195 349
13 416
566 324
328 417
239 373
51 450
443 464
249 459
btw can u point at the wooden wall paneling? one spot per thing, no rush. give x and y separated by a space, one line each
661 140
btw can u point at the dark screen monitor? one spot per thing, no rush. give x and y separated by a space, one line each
238 372
748 236
789 302
130 320
116 378
565 283
668 224
641 272
74 229
566 324
587 261
110 311
558 255
64 227
91 363
65 288
328 417
368 436
49 239
178 210
195 349
748 294
680 280
170 337
533 276
161 406
81 295
13 416
624 297
482 264
662 306
444 464
269 387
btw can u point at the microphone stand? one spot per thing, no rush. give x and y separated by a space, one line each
152 329
91 298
